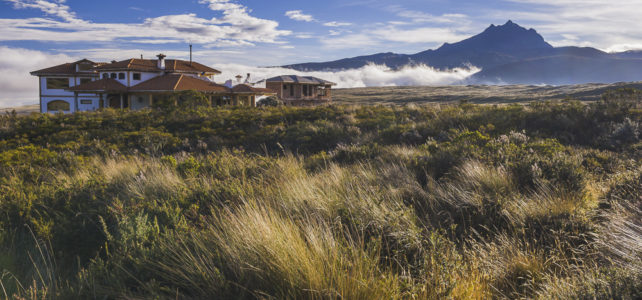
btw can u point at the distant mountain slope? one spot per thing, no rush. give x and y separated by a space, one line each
563 69
508 54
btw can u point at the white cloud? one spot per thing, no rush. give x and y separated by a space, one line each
336 24
624 47
17 85
383 34
422 17
370 75
596 23
53 8
298 15
350 41
235 27
304 35
418 35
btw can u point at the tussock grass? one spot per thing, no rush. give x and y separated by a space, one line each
439 202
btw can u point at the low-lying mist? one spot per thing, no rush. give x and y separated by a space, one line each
367 76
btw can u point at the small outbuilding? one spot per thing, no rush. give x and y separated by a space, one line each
301 90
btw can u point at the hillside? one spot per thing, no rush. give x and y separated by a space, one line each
509 54
449 201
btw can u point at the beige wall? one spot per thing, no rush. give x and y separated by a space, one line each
284 94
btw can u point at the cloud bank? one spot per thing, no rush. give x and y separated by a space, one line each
17 86
367 76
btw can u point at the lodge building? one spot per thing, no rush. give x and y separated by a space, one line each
301 90
134 84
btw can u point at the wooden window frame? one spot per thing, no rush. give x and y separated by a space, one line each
67 105
51 85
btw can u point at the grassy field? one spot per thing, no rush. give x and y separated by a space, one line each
480 94
21 110
450 201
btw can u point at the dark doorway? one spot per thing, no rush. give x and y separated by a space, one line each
114 101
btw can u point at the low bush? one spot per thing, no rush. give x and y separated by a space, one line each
415 202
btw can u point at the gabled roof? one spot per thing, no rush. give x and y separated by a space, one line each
67 69
151 65
299 79
244 88
108 84
177 82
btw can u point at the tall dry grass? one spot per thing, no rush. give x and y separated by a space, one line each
276 229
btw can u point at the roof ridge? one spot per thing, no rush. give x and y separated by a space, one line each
178 81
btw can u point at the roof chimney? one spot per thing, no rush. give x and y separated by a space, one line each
161 61
238 78
247 79
190 54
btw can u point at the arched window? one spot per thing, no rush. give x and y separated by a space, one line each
58 105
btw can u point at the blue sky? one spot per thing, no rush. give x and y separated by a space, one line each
39 33
274 32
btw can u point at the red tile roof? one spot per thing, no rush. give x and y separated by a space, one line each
177 82
108 85
300 79
168 83
244 88
151 65
68 69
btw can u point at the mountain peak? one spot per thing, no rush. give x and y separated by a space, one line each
506 38
508 26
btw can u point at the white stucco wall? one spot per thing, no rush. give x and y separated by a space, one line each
95 103
129 77
144 77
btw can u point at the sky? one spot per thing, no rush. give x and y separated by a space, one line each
238 36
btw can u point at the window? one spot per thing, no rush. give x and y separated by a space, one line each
86 101
57 83
292 91
105 75
113 75
58 105
136 76
85 80
121 76
285 86
305 90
